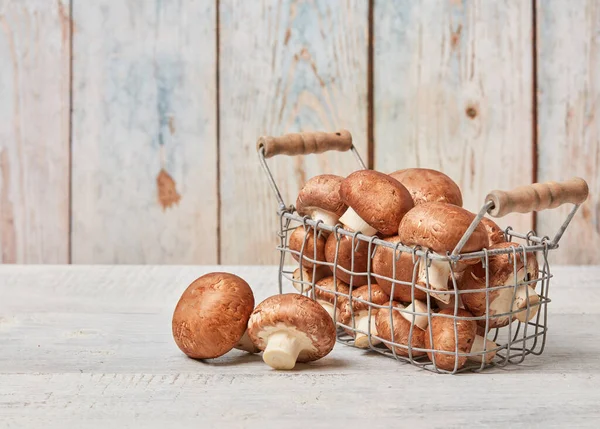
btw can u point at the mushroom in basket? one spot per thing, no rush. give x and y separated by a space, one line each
320 199
305 236
343 255
439 227
494 232
291 328
302 278
212 314
384 260
445 339
402 322
376 202
328 293
362 299
501 272
429 186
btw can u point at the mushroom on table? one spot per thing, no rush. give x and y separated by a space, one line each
212 315
428 186
501 272
439 227
320 199
376 202
291 328
360 311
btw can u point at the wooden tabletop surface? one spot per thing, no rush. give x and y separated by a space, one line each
85 346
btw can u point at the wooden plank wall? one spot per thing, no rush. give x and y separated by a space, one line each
34 131
156 163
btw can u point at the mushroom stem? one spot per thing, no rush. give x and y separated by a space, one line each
478 347
246 344
438 278
320 272
417 306
282 350
521 302
328 218
329 308
361 321
450 304
353 221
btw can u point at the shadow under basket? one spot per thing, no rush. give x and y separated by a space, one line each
425 325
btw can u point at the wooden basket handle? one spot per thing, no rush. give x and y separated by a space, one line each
305 143
539 196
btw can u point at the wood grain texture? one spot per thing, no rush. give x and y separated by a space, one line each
144 132
453 92
285 66
91 346
34 131
569 118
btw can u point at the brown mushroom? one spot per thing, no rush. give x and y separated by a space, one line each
360 309
320 199
306 236
325 294
439 227
211 315
376 202
501 273
383 265
346 251
494 232
428 186
291 328
445 337
402 322
246 344
303 278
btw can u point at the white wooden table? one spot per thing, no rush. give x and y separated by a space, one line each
91 346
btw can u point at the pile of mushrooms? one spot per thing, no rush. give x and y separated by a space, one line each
383 297
420 308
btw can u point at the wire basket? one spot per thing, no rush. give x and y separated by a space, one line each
423 324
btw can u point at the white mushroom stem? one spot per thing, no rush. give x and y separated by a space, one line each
282 350
353 221
328 218
307 277
329 308
439 271
520 303
361 321
450 304
246 344
478 347
417 307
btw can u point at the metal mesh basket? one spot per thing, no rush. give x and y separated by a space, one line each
431 332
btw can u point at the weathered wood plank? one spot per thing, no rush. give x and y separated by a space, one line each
285 66
453 91
34 131
144 132
569 118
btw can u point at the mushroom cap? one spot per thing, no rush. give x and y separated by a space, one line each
327 288
211 315
442 331
439 227
401 331
378 297
428 186
500 271
321 193
383 265
344 259
297 239
293 311
377 198
494 232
